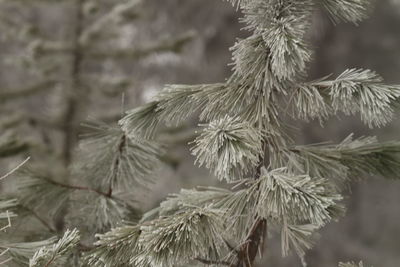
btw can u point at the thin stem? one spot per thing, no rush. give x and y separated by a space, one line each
8 222
50 261
41 220
76 187
248 250
14 169
6 261
117 163
230 247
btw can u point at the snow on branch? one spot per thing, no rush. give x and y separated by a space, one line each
296 199
110 159
58 253
229 147
353 91
353 158
168 240
347 10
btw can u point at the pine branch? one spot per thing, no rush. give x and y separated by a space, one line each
6 205
309 102
20 253
354 91
282 25
53 195
252 68
282 197
188 235
57 254
49 227
249 249
183 202
183 236
237 207
301 198
115 248
31 183
275 54
77 187
228 147
256 234
142 120
177 102
5 214
186 199
351 158
99 213
172 105
14 169
347 10
266 64
297 237
112 159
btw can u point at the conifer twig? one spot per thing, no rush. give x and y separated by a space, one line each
76 187
40 219
249 249
15 169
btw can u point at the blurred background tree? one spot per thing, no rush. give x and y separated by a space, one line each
37 70
62 61
77 58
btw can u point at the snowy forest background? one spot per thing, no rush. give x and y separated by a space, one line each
186 42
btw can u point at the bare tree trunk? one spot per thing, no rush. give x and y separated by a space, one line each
76 91
74 95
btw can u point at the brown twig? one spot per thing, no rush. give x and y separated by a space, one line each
40 219
76 187
116 164
256 235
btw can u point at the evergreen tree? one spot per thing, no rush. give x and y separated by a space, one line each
278 186
59 74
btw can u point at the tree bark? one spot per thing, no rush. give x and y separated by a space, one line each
248 250
76 92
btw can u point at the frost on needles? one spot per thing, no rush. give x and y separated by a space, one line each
278 187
